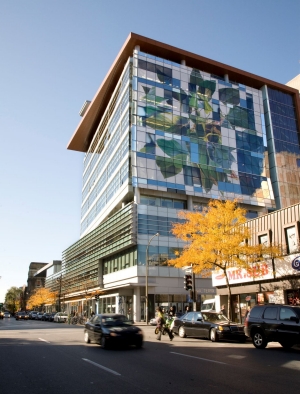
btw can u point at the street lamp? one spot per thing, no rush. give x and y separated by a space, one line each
155 235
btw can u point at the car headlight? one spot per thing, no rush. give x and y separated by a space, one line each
140 332
114 334
222 328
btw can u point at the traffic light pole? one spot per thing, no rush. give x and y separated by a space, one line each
194 292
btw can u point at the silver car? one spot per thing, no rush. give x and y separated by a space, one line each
60 317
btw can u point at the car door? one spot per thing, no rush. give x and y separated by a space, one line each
90 328
187 323
198 325
270 323
289 326
97 331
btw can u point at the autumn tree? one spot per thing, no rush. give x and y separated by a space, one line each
218 238
13 298
41 297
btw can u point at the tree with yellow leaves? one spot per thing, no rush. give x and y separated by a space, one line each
218 238
41 297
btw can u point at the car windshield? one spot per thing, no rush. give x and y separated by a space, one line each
214 317
115 320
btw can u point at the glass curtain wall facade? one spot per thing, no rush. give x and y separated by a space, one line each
197 134
106 164
283 145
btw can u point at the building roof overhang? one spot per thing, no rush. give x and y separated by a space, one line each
83 134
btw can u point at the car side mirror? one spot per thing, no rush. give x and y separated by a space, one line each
199 319
294 318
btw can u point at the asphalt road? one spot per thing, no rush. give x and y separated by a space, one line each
42 357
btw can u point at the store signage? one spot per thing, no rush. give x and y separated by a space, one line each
242 275
296 263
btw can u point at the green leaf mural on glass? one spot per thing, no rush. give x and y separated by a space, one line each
170 166
195 121
172 147
229 95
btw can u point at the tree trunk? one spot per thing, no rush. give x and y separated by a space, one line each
229 315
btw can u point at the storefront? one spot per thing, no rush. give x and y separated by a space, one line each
277 286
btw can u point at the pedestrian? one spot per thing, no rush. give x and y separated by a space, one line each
187 309
160 325
171 312
223 310
92 314
247 312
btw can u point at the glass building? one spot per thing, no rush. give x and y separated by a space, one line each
169 130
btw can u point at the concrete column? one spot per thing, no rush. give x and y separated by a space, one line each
137 304
136 195
190 203
137 49
183 62
226 77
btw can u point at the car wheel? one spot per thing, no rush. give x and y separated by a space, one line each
181 332
259 340
286 344
103 342
213 336
87 338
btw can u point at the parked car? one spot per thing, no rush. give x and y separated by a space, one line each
112 329
269 323
60 317
6 314
1 315
211 325
39 316
51 316
32 315
45 316
21 316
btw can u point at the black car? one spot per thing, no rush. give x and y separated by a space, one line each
112 329
269 323
46 316
21 316
51 316
211 325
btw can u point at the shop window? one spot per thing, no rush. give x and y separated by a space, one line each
263 239
291 239
293 297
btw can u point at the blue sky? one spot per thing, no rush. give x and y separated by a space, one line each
54 56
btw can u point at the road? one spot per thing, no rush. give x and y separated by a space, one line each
43 357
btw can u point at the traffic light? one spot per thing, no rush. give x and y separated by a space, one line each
188 282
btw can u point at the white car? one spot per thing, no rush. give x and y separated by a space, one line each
6 314
60 317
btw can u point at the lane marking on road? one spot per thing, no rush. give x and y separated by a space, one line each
44 340
200 358
102 367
